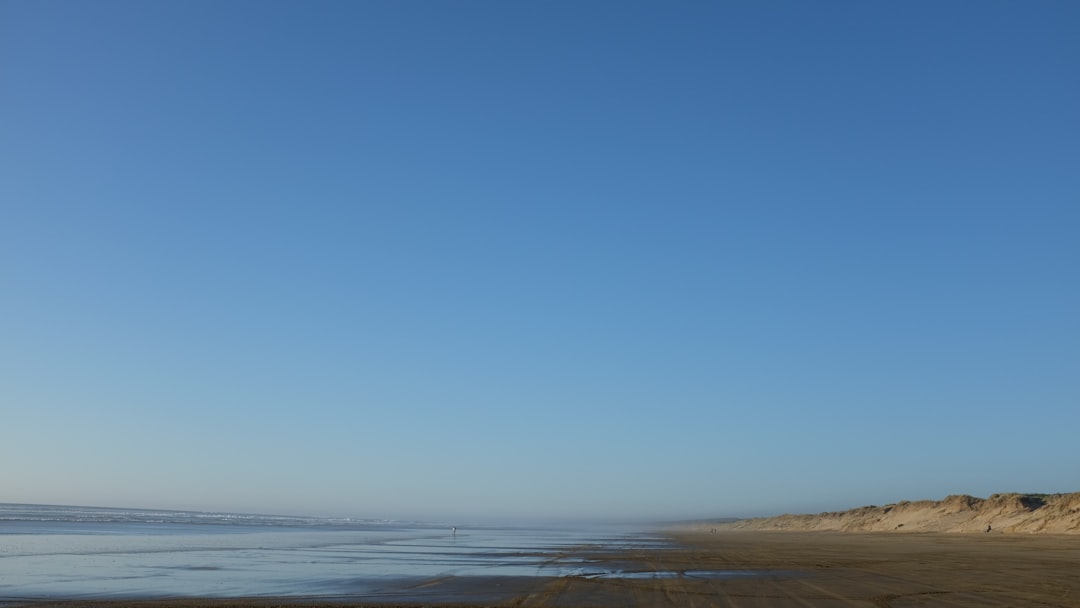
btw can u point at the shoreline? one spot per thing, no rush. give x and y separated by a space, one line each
752 568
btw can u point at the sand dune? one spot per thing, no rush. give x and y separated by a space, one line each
1004 513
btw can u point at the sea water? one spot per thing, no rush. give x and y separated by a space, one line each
86 552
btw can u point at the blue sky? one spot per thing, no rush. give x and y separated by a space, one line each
537 259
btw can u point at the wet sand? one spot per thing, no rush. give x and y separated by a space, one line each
761 569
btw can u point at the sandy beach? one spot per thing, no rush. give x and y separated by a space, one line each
765 569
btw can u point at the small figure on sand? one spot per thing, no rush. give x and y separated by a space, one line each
987 527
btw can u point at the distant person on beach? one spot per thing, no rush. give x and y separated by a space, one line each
987 527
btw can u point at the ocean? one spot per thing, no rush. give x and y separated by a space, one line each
60 552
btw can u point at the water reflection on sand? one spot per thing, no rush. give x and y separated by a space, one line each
165 560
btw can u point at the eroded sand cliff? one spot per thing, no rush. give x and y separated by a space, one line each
1023 513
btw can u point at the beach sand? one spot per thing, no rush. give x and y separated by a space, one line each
766 569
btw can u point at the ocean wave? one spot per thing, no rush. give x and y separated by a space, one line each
107 515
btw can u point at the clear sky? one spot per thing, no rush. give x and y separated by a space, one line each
471 259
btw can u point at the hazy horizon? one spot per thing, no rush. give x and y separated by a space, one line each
537 260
